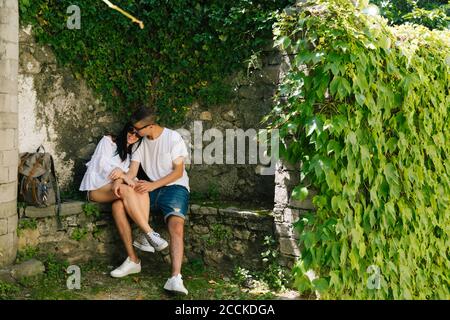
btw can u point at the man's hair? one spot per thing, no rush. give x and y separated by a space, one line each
144 113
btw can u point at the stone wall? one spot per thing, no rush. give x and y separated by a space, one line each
58 111
61 112
287 211
9 21
221 237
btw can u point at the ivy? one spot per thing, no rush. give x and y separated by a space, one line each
368 119
433 14
184 54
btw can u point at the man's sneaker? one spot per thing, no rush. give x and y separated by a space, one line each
141 243
175 285
156 241
126 268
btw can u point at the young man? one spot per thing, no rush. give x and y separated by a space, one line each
161 154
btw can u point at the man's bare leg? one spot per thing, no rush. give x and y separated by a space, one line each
176 230
123 226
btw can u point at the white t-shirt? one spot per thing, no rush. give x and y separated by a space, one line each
156 156
104 160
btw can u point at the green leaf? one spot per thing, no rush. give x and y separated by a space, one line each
320 284
299 193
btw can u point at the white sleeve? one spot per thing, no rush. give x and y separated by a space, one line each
101 159
137 153
178 148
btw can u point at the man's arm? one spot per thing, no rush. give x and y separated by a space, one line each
177 173
127 177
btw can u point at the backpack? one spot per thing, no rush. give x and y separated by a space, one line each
38 185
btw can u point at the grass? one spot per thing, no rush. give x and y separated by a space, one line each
96 284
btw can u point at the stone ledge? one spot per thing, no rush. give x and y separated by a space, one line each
67 209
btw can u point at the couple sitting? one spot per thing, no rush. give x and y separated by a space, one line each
111 177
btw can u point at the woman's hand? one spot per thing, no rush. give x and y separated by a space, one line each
143 186
128 181
117 173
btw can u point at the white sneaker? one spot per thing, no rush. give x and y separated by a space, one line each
141 243
126 268
156 241
175 285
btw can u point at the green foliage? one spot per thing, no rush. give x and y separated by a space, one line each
26 253
55 269
78 233
8 291
273 274
433 14
27 223
369 123
91 210
183 54
219 234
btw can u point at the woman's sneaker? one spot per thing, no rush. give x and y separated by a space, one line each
175 285
141 243
126 268
156 241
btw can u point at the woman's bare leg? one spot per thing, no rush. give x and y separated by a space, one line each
144 202
103 195
131 201
136 205
124 228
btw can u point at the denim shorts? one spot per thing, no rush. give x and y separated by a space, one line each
170 200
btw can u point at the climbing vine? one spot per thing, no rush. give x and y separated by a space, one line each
183 54
365 109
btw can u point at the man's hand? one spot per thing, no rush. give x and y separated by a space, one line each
116 188
116 174
143 186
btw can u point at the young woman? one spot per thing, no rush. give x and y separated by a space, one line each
111 161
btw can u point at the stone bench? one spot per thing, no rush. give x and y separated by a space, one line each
221 235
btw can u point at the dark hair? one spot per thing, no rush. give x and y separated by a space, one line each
121 141
146 113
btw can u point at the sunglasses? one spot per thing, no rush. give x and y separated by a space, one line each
139 129
134 132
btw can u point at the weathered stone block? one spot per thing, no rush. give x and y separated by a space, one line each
8 248
238 247
199 229
284 230
289 247
5 276
242 234
3 226
8 209
208 211
291 215
281 195
7 140
71 208
8 102
12 223
28 268
8 120
8 192
9 158
194 209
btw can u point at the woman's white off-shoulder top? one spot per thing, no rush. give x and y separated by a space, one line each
104 160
